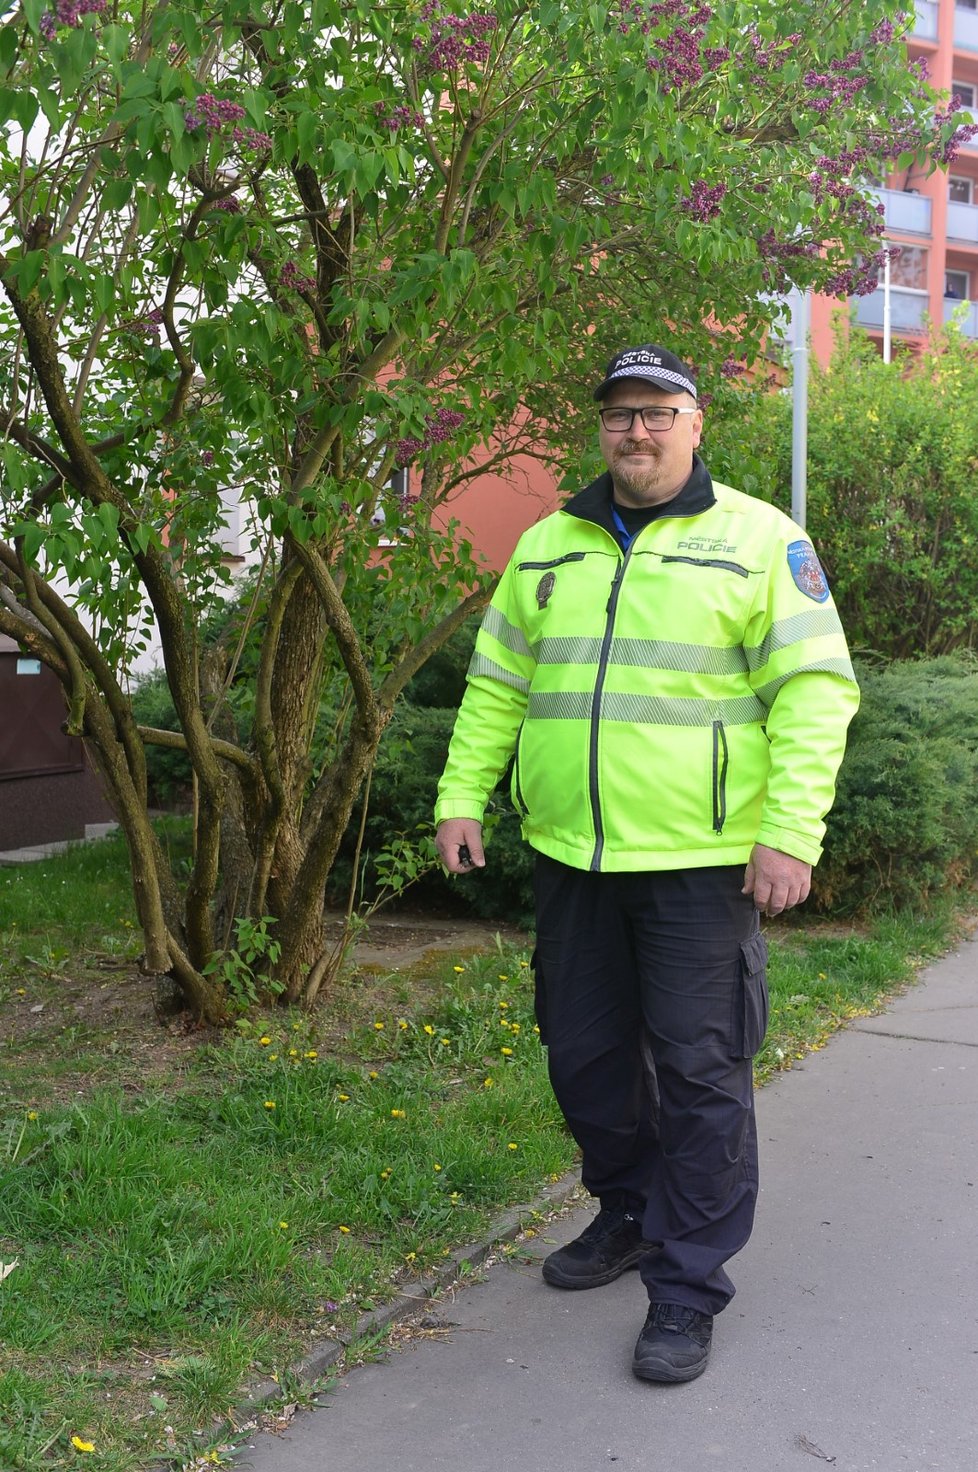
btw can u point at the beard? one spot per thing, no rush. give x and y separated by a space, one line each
638 479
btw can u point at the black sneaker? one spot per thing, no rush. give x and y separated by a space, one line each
674 1345
604 1250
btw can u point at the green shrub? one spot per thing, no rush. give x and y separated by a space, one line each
905 821
167 770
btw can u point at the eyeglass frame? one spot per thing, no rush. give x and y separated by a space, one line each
645 409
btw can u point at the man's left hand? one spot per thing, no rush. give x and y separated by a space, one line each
776 880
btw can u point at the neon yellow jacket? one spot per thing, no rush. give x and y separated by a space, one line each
668 706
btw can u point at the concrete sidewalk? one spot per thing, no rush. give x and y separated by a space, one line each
852 1342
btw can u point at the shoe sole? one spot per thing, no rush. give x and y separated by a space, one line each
665 1374
557 1279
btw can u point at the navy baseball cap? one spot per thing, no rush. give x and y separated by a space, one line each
656 365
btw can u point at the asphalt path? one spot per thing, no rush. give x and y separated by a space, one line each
852 1341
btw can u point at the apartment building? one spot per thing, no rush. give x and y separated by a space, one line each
933 219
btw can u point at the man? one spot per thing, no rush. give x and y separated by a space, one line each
663 659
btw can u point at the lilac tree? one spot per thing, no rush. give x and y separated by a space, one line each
289 246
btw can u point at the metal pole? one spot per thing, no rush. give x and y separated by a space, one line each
887 335
799 405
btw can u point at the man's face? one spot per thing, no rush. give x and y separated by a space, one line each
649 466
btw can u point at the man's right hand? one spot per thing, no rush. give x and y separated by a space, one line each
459 845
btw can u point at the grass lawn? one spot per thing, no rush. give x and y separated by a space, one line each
189 1212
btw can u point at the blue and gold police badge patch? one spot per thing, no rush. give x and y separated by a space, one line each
807 571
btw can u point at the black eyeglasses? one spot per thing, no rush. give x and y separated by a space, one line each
653 416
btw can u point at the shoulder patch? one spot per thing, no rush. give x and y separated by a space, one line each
806 570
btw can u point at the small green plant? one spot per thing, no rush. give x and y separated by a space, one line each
242 967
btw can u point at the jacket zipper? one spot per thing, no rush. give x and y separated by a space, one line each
720 764
596 709
553 562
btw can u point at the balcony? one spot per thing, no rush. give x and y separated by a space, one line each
925 23
962 223
968 323
965 27
907 212
907 309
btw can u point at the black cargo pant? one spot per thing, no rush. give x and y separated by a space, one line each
652 1000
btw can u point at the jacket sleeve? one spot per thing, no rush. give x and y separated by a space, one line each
492 710
800 669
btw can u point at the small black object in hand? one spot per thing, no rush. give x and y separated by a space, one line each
464 857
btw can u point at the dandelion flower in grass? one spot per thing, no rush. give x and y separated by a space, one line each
410 1256
311 1054
506 1052
436 1166
32 1114
822 976
385 1175
345 1231
458 968
512 1145
373 1073
502 977
283 1225
398 1114
487 1083
22 991
378 1027
503 1006
269 1103
273 1057
293 1052
514 1027
446 1042
524 964
343 1098
264 1042
402 1024
429 1029
82 1446
455 1196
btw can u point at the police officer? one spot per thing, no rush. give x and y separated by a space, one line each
663 663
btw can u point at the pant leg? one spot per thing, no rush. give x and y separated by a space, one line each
701 960
590 1015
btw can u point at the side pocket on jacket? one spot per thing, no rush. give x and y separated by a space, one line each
750 1002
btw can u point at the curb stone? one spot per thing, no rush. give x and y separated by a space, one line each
306 1372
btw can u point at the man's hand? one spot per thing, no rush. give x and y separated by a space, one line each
459 845
776 880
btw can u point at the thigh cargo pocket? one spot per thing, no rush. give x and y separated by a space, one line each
749 1022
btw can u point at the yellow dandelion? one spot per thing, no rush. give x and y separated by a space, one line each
264 1042
506 1052
537 1031
297 1027
398 1114
402 1024
436 1166
514 1027
512 1145
345 1231
273 1057
311 1054
82 1446
378 1027
385 1175
373 1073
458 968
503 1006
22 991
455 1196
502 977
503 1022
293 1052
410 1256
343 1098
429 1029
821 976
283 1225
525 965
446 1042
487 1083
32 1114
269 1103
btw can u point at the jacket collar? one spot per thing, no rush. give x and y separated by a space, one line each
594 502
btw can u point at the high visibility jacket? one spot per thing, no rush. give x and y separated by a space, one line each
669 705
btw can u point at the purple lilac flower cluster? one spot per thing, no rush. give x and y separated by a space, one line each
438 427
398 117
454 40
252 138
146 326
68 13
292 280
840 84
730 368
212 113
948 152
765 58
775 252
830 176
860 279
228 205
702 202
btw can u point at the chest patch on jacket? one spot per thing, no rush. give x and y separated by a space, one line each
807 571
545 587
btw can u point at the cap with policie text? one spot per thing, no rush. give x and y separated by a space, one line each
656 365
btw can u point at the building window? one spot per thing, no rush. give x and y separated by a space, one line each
959 189
957 285
908 270
964 92
28 666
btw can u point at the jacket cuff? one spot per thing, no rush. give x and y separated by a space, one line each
789 841
458 807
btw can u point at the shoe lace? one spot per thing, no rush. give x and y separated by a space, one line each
674 1318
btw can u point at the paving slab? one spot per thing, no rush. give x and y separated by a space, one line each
852 1341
